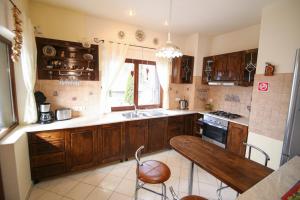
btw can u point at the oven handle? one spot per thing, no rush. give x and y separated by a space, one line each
210 124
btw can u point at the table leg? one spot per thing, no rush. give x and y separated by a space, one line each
191 179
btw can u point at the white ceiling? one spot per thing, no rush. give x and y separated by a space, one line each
189 16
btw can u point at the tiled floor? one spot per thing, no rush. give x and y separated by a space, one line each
117 182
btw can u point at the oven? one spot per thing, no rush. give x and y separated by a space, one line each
215 130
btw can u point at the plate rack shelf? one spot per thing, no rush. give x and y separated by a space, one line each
59 59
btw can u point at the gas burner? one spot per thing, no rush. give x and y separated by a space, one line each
225 114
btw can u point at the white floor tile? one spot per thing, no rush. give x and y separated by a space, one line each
50 196
94 178
110 182
64 186
120 171
36 193
126 187
80 191
117 196
99 194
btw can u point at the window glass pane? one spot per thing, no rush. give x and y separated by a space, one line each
149 87
122 90
7 117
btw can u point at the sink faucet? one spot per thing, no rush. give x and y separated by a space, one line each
135 109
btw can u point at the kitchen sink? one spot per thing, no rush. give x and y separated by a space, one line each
141 114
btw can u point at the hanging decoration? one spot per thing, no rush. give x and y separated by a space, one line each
169 50
18 39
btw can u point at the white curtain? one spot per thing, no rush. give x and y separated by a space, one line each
114 56
163 67
28 62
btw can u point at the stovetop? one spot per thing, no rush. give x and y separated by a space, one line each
225 114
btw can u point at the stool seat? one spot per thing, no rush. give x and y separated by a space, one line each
193 197
153 172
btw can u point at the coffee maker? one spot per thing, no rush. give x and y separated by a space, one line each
45 115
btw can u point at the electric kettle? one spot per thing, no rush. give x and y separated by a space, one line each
183 104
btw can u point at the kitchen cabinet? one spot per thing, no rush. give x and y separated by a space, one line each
237 135
157 134
189 123
182 69
175 127
47 153
110 142
136 135
58 152
81 148
238 67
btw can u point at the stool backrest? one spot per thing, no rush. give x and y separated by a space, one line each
138 155
267 157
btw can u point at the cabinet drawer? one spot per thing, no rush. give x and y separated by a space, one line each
176 121
48 159
47 147
137 123
46 136
43 172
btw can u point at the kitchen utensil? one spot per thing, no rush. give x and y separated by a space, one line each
63 114
183 104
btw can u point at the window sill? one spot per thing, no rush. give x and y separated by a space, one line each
5 131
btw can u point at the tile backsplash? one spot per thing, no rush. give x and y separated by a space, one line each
233 99
83 98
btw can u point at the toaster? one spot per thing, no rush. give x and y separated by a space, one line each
63 114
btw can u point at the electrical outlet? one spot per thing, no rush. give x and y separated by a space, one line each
177 99
79 108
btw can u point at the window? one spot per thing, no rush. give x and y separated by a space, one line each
8 109
137 84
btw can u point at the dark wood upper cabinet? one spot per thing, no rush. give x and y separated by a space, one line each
234 67
58 59
81 148
157 134
110 142
237 135
220 68
182 69
136 135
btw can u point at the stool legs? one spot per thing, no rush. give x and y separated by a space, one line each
136 189
164 192
191 179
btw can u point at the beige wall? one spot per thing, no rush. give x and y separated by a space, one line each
242 39
279 39
279 36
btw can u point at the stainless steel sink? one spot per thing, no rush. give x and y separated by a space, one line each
141 114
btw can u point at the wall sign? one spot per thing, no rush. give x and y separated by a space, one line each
263 86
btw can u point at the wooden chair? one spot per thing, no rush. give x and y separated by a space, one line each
267 158
150 172
190 197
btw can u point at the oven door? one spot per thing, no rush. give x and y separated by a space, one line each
214 134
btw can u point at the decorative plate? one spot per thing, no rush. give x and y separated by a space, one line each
140 35
49 50
121 34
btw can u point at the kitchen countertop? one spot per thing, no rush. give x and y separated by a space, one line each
276 184
108 118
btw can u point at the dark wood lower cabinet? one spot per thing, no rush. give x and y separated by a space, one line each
136 135
60 151
81 148
157 134
111 142
237 135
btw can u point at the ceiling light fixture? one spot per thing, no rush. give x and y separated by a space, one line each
169 50
131 13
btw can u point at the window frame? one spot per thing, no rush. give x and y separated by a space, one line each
136 63
6 130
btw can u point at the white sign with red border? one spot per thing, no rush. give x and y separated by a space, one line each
263 86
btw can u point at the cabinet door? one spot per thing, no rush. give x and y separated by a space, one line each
176 70
220 67
189 124
157 134
110 142
81 145
175 127
208 66
234 66
237 134
136 135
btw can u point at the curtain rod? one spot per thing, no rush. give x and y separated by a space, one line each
14 5
132 45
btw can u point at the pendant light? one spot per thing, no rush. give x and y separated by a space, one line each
169 50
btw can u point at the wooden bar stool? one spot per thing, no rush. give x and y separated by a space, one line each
150 172
190 197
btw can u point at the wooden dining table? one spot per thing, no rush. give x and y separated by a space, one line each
237 172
